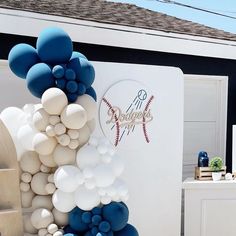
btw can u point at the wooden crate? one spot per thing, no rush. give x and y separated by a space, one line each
205 173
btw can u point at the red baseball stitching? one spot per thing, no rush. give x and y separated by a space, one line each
144 124
116 121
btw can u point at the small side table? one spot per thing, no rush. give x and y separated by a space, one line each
210 208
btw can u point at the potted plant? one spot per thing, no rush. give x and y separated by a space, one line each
216 164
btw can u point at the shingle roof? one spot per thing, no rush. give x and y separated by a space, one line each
116 13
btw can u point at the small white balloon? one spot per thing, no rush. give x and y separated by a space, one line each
64 155
64 139
73 144
73 133
87 156
59 129
26 199
106 200
54 100
26 177
90 184
40 119
89 104
86 199
74 116
52 228
25 136
50 131
53 120
102 148
45 169
65 178
42 232
24 187
43 144
41 218
88 173
63 202
50 188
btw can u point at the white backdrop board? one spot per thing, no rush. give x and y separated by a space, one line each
141 111
152 151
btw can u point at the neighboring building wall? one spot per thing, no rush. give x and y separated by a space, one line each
189 65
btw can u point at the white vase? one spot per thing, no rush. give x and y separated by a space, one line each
216 176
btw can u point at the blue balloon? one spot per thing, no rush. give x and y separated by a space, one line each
97 210
117 214
87 217
104 226
72 97
83 69
54 46
72 86
88 234
96 219
128 230
94 231
78 54
58 71
21 58
81 89
70 234
39 79
61 83
67 229
70 74
75 220
91 92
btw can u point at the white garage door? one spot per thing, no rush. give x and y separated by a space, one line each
204 118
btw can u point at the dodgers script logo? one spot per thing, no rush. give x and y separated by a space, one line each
128 113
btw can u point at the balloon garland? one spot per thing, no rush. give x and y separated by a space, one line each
70 181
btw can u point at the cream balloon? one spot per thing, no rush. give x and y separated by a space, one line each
43 144
52 228
54 100
38 183
65 178
64 155
87 156
73 144
41 218
48 160
42 202
25 136
53 120
63 139
59 129
41 119
42 232
91 125
50 131
74 116
30 162
63 202
26 177
86 199
60 218
84 135
26 198
89 104
73 133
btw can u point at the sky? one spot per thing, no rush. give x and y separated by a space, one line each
226 7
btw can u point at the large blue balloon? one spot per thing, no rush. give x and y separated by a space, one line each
75 220
21 58
117 214
39 79
54 46
83 69
128 230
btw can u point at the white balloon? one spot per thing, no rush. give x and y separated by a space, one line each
10 117
93 141
89 104
91 125
64 155
40 119
73 133
26 198
86 199
65 178
63 202
106 200
103 175
74 116
53 120
41 218
43 144
73 144
63 139
117 165
25 136
54 100
87 156
50 131
59 129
